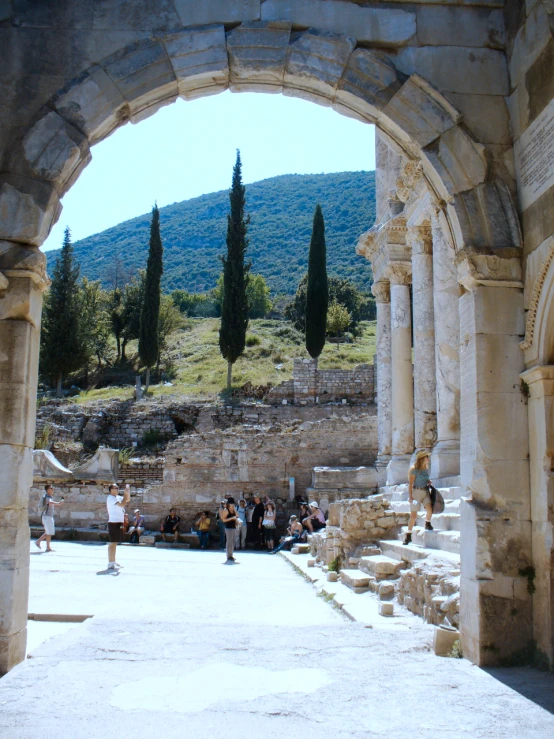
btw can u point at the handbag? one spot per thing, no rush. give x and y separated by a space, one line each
437 501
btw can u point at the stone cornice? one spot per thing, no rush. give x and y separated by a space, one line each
527 342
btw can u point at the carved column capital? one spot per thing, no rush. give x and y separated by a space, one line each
400 273
381 291
419 238
481 267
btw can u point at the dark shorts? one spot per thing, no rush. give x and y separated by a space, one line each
169 530
317 525
115 531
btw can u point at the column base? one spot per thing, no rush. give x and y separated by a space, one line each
381 466
12 650
397 469
445 460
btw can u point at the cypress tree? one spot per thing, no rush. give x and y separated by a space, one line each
150 311
62 347
317 292
234 306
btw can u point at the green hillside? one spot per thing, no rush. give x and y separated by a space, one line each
281 210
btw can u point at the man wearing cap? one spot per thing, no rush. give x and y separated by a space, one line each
229 518
316 520
137 527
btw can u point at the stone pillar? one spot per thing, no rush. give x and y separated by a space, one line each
402 381
381 290
445 459
540 381
425 401
495 604
22 279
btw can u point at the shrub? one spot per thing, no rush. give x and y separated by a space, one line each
252 340
42 440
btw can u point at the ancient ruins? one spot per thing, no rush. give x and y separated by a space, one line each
462 95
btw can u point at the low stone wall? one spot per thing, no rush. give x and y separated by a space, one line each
431 589
329 385
356 523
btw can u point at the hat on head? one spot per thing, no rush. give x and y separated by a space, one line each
137 510
421 453
314 504
293 518
231 500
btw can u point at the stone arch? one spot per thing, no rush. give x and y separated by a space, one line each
318 65
538 343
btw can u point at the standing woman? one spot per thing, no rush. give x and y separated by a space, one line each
229 517
269 524
418 492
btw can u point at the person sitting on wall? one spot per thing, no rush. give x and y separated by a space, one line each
170 526
203 525
304 512
316 520
295 534
137 527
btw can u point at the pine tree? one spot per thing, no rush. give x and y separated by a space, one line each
234 307
149 316
317 292
62 346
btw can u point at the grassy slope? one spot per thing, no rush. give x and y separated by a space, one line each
281 210
201 371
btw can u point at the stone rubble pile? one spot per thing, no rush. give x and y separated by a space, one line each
431 589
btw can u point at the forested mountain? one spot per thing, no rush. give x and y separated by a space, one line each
281 210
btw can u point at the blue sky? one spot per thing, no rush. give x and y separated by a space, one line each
188 149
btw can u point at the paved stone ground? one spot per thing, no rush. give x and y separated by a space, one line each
182 645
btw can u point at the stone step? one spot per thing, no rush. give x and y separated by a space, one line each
411 553
381 566
356 580
403 506
449 494
445 541
441 521
300 549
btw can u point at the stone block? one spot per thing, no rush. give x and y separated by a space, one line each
531 39
217 11
47 467
459 162
457 69
311 562
144 76
54 150
381 26
386 591
154 15
443 640
93 104
13 648
386 609
104 467
489 311
456 26
17 420
315 64
332 576
16 465
417 112
200 61
257 53
487 117
485 217
28 209
18 340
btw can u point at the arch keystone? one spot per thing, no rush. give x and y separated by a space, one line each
257 54
199 60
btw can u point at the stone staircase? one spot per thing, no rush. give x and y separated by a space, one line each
424 575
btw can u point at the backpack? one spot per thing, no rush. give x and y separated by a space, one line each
45 503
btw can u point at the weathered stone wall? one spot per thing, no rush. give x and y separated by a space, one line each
431 589
202 467
354 524
329 385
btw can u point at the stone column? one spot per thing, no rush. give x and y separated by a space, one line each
425 401
22 279
495 604
381 291
399 274
540 381
445 459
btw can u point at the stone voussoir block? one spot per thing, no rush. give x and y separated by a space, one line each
257 53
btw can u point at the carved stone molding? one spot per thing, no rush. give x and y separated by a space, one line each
410 183
21 260
527 342
475 267
400 273
381 291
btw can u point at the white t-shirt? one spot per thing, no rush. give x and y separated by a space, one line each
116 514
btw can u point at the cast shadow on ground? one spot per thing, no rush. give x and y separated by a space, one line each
532 684
113 573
